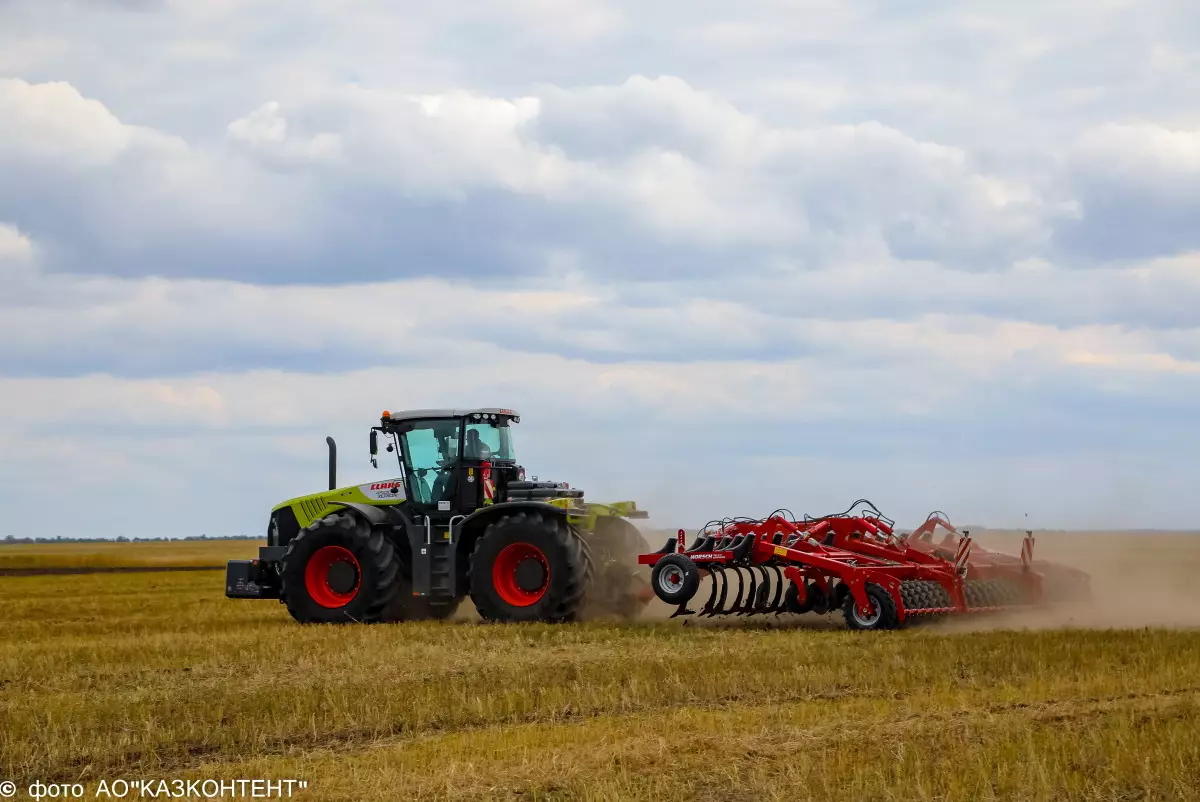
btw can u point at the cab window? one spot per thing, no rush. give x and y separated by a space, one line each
488 441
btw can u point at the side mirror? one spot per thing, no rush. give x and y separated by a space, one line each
374 448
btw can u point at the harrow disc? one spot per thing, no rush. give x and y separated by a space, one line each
815 600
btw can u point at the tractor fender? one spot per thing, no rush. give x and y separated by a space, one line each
482 515
373 514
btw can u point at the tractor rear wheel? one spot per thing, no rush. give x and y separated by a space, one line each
528 567
339 569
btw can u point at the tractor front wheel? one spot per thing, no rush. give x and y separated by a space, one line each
528 567
337 570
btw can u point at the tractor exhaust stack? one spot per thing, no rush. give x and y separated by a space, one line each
332 463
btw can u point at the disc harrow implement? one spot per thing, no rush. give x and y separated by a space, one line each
854 561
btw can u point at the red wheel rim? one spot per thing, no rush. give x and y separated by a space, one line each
316 576
504 574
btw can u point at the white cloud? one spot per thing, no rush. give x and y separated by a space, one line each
265 132
1138 187
52 121
16 250
263 125
1144 155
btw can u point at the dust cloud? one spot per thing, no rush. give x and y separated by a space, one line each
1138 579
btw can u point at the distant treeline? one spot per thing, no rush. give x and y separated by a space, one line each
122 539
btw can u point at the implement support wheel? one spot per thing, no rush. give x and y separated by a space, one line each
675 579
883 613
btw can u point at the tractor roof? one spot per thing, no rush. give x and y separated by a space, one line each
420 414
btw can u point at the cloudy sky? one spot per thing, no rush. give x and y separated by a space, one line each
722 257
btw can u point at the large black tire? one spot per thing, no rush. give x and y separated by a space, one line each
363 556
675 579
883 610
621 586
555 595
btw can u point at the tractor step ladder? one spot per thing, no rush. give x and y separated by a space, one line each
433 553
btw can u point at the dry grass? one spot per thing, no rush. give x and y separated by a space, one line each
179 554
112 675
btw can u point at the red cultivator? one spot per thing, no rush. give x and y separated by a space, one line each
857 562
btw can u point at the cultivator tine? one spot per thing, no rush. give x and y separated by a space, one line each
735 608
762 590
712 593
757 589
764 593
718 584
719 609
682 610
780 585
747 607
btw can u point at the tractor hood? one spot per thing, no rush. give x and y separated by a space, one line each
316 505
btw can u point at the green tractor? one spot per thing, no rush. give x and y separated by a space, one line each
460 520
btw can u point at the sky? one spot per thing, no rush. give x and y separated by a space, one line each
721 257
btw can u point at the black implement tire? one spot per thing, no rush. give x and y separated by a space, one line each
883 609
339 569
675 579
528 567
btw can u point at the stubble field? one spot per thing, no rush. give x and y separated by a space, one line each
157 675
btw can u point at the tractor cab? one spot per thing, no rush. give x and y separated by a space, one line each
451 460
459 519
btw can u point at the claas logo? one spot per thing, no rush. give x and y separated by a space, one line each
384 485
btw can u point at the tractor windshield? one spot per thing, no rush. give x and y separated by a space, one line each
488 441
